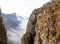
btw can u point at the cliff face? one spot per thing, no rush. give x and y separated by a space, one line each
28 38
3 36
44 25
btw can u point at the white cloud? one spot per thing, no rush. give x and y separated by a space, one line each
21 7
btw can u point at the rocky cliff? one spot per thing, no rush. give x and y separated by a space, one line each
3 36
44 25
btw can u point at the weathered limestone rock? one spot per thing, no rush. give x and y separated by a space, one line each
44 25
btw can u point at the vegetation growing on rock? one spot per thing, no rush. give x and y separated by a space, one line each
44 25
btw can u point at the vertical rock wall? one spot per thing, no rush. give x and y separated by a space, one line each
3 36
44 25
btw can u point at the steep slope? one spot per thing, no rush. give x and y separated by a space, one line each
44 25
3 35
28 38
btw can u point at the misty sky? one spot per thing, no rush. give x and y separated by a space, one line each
21 7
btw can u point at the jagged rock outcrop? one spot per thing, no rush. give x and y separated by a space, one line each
3 36
44 25
28 38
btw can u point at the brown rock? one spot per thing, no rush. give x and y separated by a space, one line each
44 25
28 38
3 36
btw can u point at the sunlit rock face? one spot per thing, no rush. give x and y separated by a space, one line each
44 25
3 35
